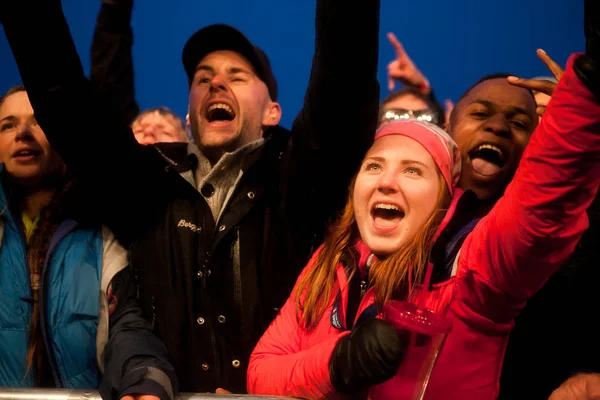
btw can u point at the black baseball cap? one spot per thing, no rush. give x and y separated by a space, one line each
224 37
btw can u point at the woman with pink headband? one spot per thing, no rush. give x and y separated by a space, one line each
330 342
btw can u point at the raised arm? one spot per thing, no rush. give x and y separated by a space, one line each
111 71
337 123
534 228
128 180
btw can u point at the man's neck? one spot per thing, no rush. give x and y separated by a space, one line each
213 156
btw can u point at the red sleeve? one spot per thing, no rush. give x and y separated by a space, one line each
536 225
282 364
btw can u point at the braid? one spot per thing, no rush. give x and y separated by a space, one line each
50 218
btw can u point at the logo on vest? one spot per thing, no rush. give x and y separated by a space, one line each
184 224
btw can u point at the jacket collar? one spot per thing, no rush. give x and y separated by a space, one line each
3 195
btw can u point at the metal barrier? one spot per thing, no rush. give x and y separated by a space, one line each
65 394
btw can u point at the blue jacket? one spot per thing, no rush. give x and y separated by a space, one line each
69 302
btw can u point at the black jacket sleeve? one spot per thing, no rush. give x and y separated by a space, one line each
136 361
337 123
128 180
111 71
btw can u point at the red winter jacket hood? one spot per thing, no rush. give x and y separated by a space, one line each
508 256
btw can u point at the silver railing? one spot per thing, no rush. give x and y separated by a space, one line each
66 394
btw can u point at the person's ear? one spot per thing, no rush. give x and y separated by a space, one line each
272 114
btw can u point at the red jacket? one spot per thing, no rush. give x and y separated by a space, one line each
508 256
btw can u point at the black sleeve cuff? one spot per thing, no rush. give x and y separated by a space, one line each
148 381
588 71
115 16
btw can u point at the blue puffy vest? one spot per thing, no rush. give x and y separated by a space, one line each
69 303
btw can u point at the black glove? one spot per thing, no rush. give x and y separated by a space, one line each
370 355
123 3
115 16
587 67
591 28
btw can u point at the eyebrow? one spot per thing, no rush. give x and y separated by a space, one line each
374 158
403 162
408 162
230 71
207 68
513 109
9 118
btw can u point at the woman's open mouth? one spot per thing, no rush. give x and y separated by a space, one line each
386 215
26 154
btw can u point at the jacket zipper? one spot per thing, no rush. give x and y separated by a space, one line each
363 288
46 334
364 283
28 274
153 306
237 272
213 337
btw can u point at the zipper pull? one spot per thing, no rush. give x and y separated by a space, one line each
153 305
363 282
363 288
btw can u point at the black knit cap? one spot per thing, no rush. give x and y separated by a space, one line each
224 37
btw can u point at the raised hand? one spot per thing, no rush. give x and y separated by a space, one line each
448 107
579 387
543 86
404 70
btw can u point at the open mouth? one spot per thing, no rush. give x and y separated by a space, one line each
387 215
220 112
487 159
26 153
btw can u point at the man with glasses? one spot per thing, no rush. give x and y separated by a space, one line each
410 103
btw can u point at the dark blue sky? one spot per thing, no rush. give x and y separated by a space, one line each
453 42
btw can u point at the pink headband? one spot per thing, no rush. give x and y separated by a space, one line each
438 143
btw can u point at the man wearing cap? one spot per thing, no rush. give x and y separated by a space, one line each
217 232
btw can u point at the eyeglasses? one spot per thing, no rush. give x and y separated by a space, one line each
426 115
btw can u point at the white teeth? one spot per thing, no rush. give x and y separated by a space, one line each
385 206
221 105
491 147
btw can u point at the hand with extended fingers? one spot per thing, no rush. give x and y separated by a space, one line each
546 87
448 107
579 387
404 70
542 86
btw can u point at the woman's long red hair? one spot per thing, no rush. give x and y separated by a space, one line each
388 276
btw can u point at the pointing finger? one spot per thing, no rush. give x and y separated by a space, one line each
552 65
